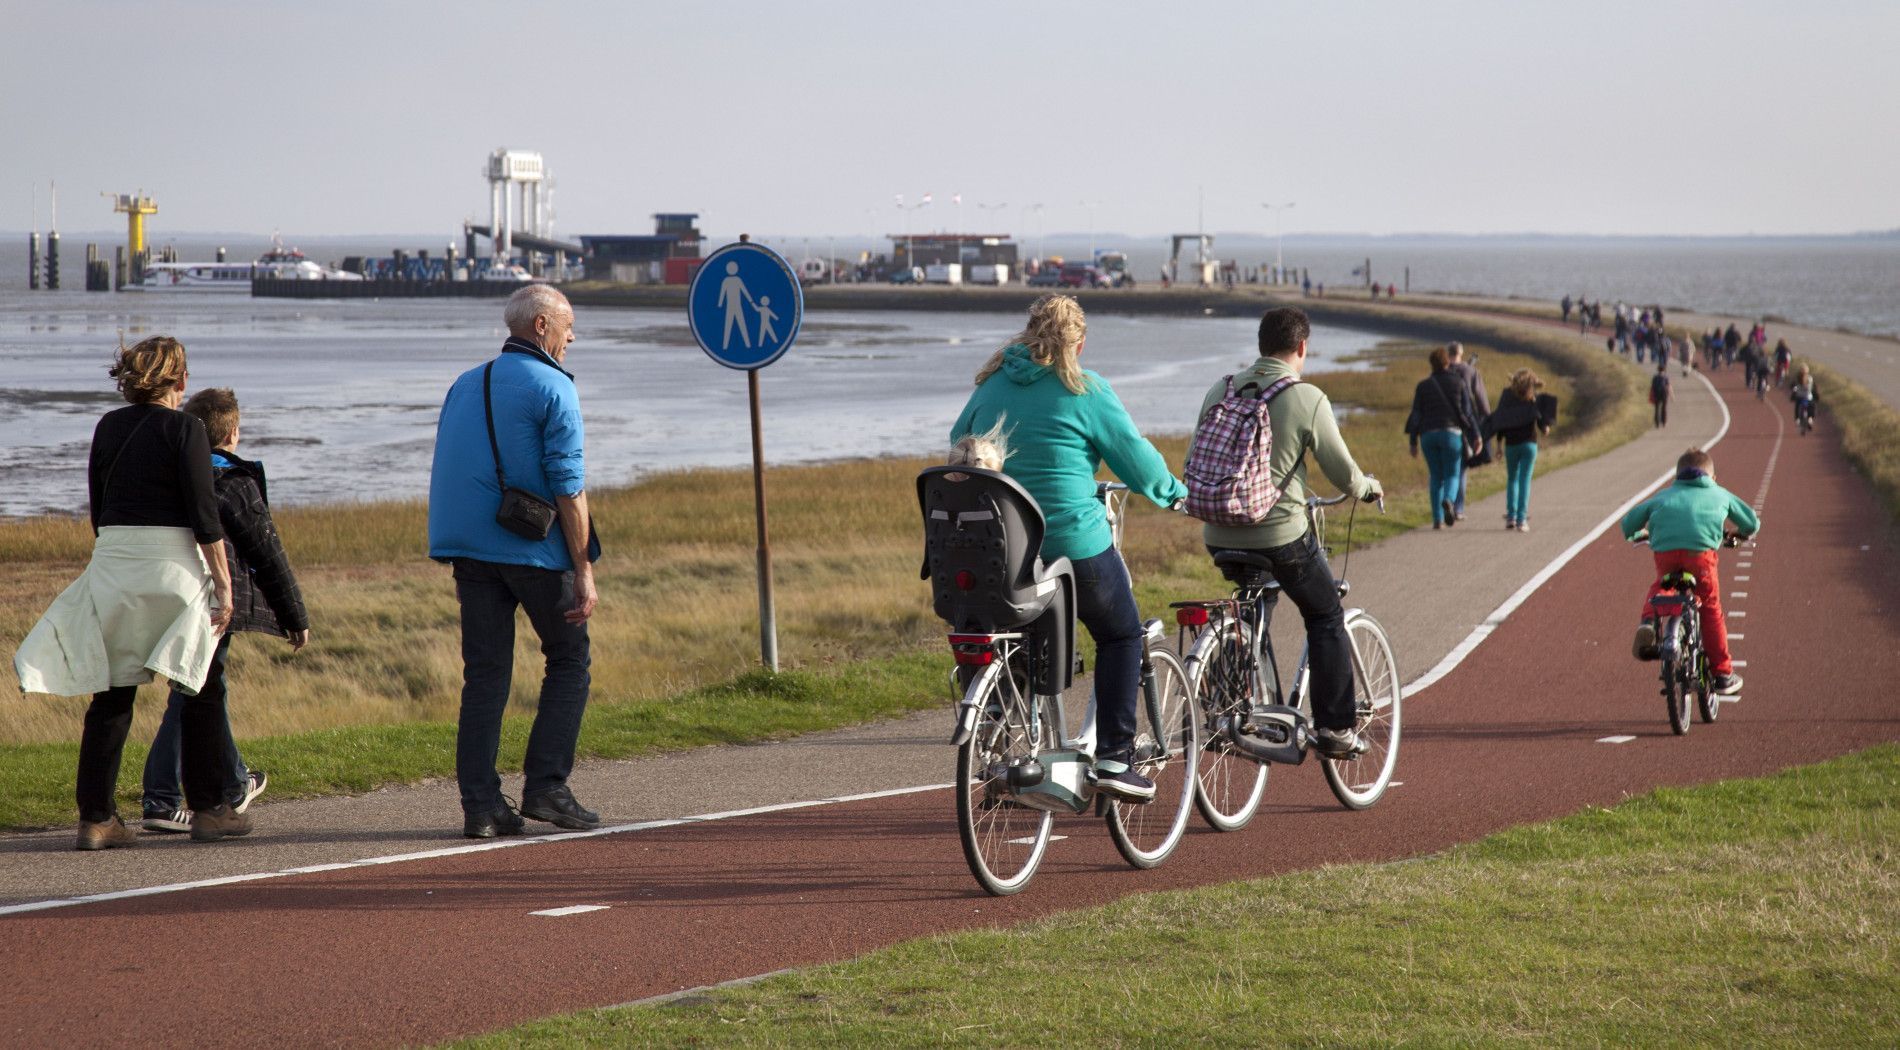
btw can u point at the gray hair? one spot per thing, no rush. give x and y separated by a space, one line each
530 302
1452 350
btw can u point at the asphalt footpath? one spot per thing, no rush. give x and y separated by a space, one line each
1548 715
1430 589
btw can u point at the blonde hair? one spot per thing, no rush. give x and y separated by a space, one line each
1054 336
148 369
986 451
1524 383
217 407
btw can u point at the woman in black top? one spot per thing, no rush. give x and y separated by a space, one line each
1443 424
140 607
1518 422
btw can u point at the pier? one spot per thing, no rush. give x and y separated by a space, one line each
286 288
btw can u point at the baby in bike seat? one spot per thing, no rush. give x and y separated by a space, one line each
1685 523
982 540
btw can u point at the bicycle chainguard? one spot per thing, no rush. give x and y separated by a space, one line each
1273 733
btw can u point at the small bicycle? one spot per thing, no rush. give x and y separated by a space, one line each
1248 722
1684 663
1804 415
1013 621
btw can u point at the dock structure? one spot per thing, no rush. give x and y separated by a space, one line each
282 288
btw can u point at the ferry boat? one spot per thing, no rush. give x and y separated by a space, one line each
279 262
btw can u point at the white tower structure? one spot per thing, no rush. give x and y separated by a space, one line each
515 188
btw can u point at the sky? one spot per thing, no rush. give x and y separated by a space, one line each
811 118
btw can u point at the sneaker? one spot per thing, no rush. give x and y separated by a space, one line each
1127 784
1728 684
1644 647
1523 526
177 820
106 834
210 825
1450 517
259 780
1340 743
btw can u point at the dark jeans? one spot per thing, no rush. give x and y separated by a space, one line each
489 593
1305 577
163 768
202 735
1661 413
1105 603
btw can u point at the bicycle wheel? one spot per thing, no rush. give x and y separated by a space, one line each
1675 686
1707 704
1003 840
1359 782
1167 751
1227 784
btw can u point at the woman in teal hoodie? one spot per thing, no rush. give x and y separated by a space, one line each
1063 422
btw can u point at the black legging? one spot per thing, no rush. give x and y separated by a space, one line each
204 763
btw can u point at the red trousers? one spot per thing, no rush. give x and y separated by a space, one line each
1707 594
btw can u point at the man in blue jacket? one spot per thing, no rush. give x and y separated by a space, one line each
538 439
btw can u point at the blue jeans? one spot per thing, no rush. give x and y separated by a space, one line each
489 593
162 764
1519 461
1105 603
1444 452
1305 578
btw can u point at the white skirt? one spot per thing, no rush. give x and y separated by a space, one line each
141 608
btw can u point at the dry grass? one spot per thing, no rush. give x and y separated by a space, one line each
1869 431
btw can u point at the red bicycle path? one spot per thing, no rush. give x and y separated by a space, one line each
430 950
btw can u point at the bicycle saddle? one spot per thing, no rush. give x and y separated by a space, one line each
1247 569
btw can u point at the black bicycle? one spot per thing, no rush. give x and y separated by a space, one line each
1684 663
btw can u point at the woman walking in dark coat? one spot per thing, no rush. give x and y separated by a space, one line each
1443 424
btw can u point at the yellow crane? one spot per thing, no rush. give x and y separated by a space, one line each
136 207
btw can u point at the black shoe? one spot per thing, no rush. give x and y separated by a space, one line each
1451 517
502 820
1728 684
1127 785
558 808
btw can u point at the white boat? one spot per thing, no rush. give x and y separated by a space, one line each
279 262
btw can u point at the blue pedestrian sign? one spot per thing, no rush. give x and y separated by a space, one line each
745 306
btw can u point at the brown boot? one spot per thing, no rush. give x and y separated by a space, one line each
210 825
105 834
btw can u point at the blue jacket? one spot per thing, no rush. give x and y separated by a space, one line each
538 428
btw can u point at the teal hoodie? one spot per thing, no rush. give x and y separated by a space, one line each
1688 516
1058 439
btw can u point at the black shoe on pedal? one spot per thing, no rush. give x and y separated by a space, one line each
1115 777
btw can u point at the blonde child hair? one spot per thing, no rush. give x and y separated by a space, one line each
985 451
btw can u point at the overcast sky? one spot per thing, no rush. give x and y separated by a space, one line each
808 118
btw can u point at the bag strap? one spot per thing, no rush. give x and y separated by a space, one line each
488 411
106 484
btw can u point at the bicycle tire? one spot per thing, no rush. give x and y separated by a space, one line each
1361 781
1674 690
1167 751
1003 841
1228 785
1708 705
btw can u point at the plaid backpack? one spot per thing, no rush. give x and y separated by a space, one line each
1229 461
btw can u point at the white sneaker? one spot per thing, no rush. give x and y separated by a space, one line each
177 820
258 782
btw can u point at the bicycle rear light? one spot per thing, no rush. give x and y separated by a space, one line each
1192 616
966 580
971 656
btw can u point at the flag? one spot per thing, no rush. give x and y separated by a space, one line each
956 198
900 200
926 199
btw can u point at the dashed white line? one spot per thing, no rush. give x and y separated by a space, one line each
1738 594
1740 663
1615 739
1737 615
1741 579
1733 637
572 909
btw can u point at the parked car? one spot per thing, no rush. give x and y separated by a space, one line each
914 275
1047 277
1081 275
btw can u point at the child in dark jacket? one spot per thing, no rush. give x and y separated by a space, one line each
1685 523
264 598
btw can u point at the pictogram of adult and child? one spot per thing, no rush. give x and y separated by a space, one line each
734 297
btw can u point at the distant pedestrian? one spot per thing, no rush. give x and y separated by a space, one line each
152 600
1566 309
1443 424
1660 393
265 598
1467 373
1518 424
541 561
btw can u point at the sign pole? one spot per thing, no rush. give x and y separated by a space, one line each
768 616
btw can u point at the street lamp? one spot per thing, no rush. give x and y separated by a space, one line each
1279 238
910 243
1091 206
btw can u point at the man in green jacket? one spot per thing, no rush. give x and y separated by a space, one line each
1302 420
1685 523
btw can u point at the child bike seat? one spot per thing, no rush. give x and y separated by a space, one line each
982 555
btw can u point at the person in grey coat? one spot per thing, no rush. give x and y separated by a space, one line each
1467 373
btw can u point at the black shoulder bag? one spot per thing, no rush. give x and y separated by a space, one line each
522 512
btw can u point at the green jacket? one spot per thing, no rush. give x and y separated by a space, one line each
1058 439
1302 422
1688 516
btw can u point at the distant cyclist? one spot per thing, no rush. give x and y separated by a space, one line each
1302 420
1685 523
1783 358
1802 394
1061 424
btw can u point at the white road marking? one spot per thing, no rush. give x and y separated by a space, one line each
1740 663
454 851
1737 615
1483 630
1741 579
1030 840
1733 637
1616 740
572 909
1738 594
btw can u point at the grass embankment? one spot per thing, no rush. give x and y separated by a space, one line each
1869 431
373 698
1747 913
